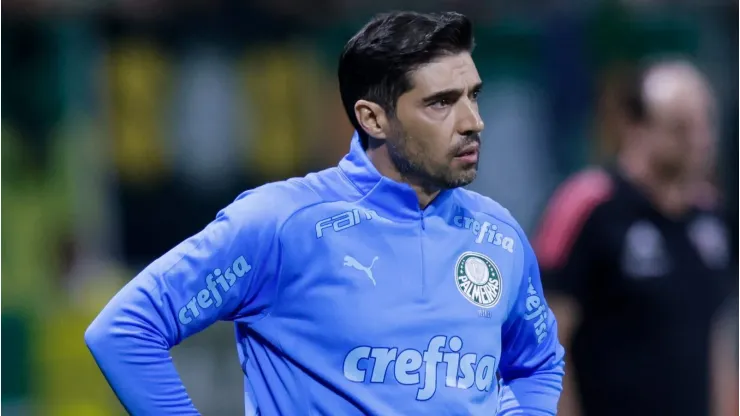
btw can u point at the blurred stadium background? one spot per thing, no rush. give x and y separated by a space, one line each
127 124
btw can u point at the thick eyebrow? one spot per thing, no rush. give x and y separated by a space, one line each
450 94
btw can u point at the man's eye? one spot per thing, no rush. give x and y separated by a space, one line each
441 103
475 95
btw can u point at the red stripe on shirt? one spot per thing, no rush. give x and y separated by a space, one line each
568 210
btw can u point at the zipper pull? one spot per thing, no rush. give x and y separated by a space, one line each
423 226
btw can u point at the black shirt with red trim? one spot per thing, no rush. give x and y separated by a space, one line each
648 287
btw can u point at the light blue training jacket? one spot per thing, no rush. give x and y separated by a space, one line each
347 299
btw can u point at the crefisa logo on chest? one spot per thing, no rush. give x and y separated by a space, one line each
478 279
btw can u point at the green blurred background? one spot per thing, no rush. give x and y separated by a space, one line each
127 124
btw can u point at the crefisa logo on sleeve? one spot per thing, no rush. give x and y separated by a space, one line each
217 282
537 312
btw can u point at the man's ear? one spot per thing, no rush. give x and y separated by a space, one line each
372 118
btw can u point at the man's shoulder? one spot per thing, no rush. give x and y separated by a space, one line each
580 195
573 206
484 205
593 184
278 201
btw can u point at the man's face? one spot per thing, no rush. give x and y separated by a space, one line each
681 132
684 142
435 134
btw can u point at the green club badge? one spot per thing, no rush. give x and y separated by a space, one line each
478 279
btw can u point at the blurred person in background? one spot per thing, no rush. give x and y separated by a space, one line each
314 271
724 361
635 257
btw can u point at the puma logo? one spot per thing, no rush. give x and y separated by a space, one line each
350 261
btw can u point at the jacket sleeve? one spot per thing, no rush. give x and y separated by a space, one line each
532 358
225 272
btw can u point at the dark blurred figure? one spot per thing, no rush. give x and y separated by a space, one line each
636 257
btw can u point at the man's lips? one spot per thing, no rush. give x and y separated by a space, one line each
469 153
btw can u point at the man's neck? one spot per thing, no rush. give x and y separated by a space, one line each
669 195
382 161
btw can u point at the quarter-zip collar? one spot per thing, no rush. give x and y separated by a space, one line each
395 199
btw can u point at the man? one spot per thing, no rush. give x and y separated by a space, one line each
376 287
635 258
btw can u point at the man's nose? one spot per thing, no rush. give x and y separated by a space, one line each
470 121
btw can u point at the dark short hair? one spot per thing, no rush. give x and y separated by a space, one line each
632 95
376 63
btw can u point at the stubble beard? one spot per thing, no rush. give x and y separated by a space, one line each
414 166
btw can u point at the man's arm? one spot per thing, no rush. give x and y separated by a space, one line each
564 289
723 359
532 358
564 247
568 313
225 272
